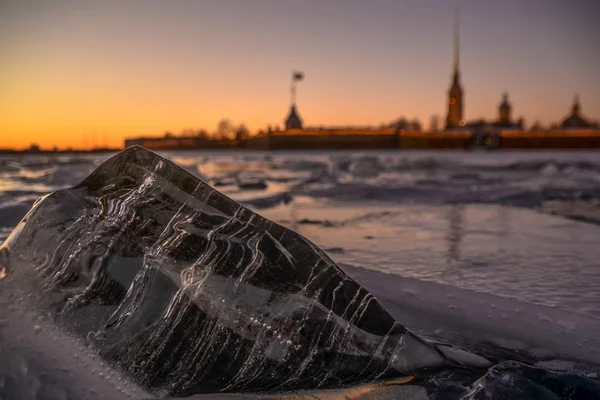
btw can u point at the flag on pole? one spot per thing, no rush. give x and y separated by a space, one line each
298 76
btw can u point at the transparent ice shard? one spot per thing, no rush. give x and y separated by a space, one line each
188 292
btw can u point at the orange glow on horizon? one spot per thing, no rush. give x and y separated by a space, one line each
91 74
92 118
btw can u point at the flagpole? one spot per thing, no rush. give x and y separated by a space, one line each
293 89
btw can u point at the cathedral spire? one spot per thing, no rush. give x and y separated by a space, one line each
454 118
576 107
456 42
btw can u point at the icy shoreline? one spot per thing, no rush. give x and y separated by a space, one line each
441 310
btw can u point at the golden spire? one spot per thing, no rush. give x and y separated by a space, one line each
456 40
576 106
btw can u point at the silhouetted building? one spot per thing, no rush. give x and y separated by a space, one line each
495 126
505 116
487 134
293 120
575 120
504 110
455 118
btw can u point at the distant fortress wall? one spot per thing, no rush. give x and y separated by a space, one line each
330 139
360 139
351 141
386 138
570 139
334 139
181 143
258 143
436 140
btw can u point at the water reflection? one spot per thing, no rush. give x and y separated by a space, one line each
455 233
503 221
454 237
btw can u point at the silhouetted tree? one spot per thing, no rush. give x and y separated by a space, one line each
537 126
225 129
169 134
415 125
187 132
402 124
242 132
202 133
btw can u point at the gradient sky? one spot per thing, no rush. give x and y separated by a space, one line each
81 73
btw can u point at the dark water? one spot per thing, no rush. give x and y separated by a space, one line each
519 224
494 251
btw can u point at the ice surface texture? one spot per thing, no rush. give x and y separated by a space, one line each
189 292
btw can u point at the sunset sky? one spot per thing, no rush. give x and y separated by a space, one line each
82 73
